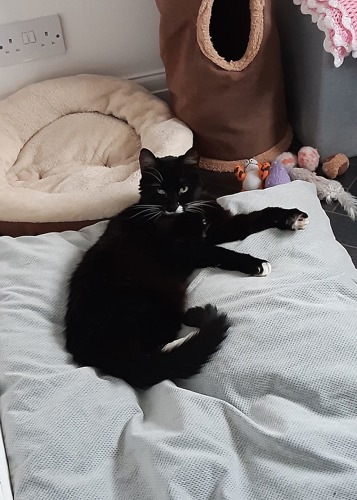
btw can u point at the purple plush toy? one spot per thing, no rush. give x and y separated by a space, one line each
277 175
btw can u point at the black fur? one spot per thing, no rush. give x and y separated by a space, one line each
127 296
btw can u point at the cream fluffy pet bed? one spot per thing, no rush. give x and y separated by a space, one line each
69 150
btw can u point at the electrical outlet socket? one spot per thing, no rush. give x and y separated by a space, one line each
31 39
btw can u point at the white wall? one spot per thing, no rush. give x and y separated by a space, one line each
117 37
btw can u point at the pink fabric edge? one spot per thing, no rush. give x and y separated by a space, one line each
338 20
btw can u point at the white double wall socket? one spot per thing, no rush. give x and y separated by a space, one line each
31 39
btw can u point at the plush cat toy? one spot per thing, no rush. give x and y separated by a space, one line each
327 189
277 175
252 174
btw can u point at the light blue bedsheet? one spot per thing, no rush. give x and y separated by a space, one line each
273 416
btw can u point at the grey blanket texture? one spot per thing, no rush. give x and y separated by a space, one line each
273 415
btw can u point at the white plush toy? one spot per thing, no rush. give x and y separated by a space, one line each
327 189
252 179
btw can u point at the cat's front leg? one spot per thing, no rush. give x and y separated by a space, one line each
237 227
288 218
233 261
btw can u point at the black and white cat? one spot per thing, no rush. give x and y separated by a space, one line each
127 300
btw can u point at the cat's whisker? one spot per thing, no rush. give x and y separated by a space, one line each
196 209
155 176
157 171
143 214
148 207
154 217
153 210
201 203
139 207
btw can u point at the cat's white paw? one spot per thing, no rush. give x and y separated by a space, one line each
300 223
264 269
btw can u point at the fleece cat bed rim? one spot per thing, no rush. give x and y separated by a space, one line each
123 108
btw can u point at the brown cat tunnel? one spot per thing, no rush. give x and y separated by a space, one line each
223 68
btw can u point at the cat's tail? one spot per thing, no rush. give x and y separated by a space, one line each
183 357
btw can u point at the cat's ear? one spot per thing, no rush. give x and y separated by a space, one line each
191 157
146 159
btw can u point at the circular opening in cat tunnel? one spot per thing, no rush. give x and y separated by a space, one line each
230 28
230 32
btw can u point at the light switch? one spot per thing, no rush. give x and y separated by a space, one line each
31 36
25 38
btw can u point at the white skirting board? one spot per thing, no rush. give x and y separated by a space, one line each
155 82
5 487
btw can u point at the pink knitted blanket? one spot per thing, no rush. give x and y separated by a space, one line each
338 20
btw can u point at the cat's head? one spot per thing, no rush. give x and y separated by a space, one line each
170 182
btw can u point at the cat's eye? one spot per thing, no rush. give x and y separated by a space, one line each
184 189
160 191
